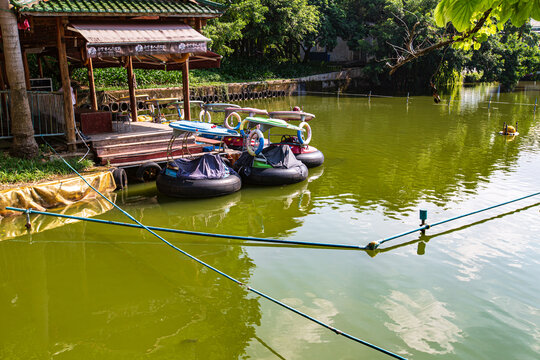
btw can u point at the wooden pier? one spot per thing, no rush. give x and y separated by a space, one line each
133 144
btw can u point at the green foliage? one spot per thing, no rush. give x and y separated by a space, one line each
13 170
465 14
507 56
232 70
271 28
473 76
376 24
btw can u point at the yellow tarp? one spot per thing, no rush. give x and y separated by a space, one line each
14 226
56 193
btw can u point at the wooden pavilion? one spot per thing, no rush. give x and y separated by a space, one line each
149 34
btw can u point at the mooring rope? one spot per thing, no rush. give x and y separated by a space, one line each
189 232
238 282
375 244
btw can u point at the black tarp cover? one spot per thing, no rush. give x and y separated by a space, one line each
208 166
278 156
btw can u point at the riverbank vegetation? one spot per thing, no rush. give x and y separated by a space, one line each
15 170
275 39
272 39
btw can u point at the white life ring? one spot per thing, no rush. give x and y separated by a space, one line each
231 117
304 140
204 115
255 135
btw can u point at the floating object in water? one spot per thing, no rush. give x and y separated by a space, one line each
509 130
207 176
275 165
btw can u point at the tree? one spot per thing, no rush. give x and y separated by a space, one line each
24 145
507 56
332 24
468 23
253 28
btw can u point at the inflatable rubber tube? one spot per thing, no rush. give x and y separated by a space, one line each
124 106
275 176
243 125
311 159
299 133
254 136
115 107
174 187
204 116
120 178
180 111
105 107
148 171
229 121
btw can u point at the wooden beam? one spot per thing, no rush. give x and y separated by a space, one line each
26 70
69 114
198 24
185 89
92 85
40 65
131 84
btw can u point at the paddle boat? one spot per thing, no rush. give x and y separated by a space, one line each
204 176
208 108
273 164
179 105
309 155
233 119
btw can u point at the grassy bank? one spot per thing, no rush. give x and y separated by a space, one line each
13 170
231 71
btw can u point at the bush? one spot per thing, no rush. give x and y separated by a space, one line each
232 70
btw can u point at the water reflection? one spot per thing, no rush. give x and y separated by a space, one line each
98 291
423 323
396 159
14 226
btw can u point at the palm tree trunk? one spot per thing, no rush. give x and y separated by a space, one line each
24 145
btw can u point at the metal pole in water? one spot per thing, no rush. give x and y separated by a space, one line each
535 103
489 102
369 96
407 98
423 218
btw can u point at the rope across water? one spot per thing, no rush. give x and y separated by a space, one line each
275 301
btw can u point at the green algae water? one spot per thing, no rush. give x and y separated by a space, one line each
469 289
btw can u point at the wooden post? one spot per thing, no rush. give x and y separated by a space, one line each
26 70
69 115
131 84
198 24
92 85
185 88
40 66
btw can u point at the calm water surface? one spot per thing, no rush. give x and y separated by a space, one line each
469 289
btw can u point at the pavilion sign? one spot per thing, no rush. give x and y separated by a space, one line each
118 50
116 40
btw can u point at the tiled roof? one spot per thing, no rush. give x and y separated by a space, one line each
124 7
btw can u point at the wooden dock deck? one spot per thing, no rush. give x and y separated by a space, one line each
140 142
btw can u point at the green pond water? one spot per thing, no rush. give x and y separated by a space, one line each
469 289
